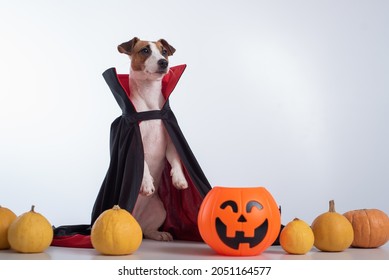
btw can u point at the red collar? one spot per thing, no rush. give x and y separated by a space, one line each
169 81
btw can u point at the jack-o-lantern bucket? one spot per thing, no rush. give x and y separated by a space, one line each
239 221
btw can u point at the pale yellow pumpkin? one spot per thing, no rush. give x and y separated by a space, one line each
116 232
6 218
297 237
332 231
31 232
371 227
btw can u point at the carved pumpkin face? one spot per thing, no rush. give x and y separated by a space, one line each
239 221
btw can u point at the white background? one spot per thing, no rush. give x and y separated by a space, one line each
290 95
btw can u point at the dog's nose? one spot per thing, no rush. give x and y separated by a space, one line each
163 63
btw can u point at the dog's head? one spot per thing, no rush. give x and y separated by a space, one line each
149 59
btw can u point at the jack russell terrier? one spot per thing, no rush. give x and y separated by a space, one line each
149 63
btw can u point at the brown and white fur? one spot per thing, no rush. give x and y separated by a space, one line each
149 63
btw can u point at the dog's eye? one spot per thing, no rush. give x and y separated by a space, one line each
145 50
164 52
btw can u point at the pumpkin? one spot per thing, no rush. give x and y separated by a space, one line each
116 232
239 221
371 227
297 237
6 218
332 231
31 232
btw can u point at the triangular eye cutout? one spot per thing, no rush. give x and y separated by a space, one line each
251 204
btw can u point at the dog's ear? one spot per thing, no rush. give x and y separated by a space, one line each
169 48
127 47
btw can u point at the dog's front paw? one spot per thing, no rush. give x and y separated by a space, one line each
147 187
178 179
159 236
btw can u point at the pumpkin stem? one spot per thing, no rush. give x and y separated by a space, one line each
332 206
32 208
116 207
296 219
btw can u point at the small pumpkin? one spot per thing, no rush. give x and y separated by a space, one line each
240 221
371 227
297 237
116 232
31 232
6 218
332 231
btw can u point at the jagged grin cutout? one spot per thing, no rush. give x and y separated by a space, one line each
240 227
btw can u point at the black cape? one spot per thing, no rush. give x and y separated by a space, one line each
123 179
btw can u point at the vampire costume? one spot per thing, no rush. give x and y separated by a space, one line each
123 179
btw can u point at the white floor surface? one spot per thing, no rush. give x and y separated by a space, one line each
182 250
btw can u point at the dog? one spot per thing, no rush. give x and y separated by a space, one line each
149 64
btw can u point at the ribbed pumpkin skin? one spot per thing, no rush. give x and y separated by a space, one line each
31 232
371 227
332 231
116 232
6 218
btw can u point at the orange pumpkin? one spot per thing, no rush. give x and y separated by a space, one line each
332 231
297 237
371 227
30 232
116 232
239 221
6 218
